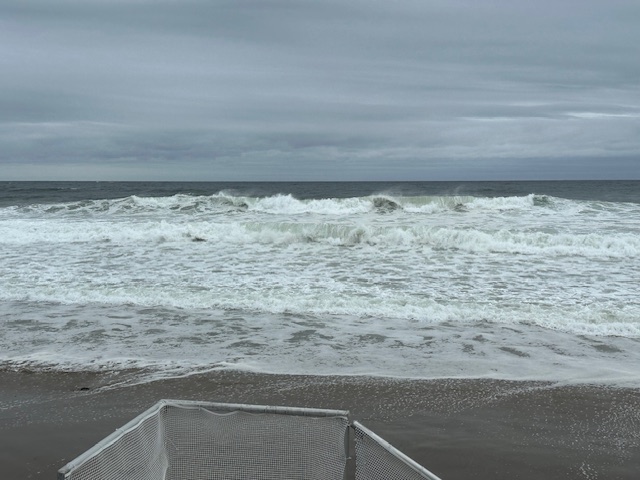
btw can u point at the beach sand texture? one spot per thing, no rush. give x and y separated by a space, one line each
459 429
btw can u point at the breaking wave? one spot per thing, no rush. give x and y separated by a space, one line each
223 203
211 234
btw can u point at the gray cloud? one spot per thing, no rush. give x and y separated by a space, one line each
319 89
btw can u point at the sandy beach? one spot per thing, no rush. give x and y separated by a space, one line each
482 429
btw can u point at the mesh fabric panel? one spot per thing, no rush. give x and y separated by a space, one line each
139 454
374 460
195 442
203 445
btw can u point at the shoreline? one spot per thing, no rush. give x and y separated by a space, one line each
457 428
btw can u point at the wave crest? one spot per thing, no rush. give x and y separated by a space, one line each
284 204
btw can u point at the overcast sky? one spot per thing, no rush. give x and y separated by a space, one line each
319 89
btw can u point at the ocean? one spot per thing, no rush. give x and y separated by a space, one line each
504 280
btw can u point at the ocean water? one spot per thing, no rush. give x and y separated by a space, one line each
510 280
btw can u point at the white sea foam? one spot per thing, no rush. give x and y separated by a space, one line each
173 342
473 240
511 287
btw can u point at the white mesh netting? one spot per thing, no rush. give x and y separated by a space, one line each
376 459
137 454
181 440
198 442
207 445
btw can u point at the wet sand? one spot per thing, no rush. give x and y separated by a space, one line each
459 429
